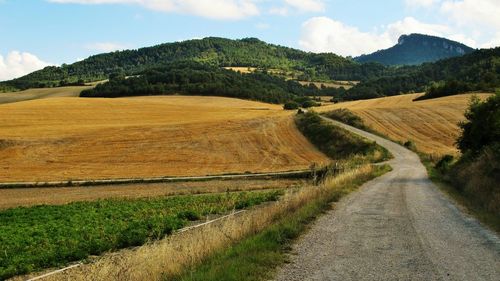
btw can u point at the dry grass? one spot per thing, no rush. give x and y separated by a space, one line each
430 124
10 198
74 138
242 69
336 84
32 94
170 256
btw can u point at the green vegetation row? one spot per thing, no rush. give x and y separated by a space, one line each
257 257
191 78
40 237
338 143
219 52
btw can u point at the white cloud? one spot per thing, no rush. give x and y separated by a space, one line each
411 25
322 34
476 12
280 11
213 9
478 18
105 47
494 42
17 64
307 5
420 3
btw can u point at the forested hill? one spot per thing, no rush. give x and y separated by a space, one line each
476 71
212 51
416 49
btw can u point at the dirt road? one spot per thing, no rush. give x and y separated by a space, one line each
396 227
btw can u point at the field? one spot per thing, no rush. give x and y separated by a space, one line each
15 197
335 84
74 138
47 236
430 124
242 69
42 93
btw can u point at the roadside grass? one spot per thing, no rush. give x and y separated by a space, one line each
474 207
177 254
258 256
44 236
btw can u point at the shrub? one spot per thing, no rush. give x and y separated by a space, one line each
410 145
346 116
291 105
444 164
337 142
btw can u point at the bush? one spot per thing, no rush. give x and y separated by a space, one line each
410 145
337 142
291 105
444 164
346 116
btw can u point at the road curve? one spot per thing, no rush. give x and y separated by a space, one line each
396 227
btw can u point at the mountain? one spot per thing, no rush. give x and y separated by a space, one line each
220 52
416 49
479 70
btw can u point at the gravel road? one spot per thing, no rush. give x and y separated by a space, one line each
396 227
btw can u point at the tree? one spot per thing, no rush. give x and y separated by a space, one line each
482 125
291 105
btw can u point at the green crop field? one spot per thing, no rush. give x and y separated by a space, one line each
48 236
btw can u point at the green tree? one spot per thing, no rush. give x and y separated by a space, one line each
482 125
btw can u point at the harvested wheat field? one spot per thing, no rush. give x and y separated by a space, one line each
15 197
76 138
431 124
42 93
335 84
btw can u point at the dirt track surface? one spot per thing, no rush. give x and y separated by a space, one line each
396 227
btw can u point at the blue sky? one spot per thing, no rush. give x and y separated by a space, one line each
36 33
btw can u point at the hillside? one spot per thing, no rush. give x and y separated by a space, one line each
74 138
431 124
221 52
416 49
479 71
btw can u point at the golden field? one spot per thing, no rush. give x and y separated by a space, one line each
41 93
76 138
431 124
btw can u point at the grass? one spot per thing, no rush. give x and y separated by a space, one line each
474 207
47 236
171 256
83 139
257 257
16 197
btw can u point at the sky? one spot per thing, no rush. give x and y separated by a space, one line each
38 33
